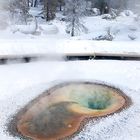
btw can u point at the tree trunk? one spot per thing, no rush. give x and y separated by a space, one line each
73 27
35 3
47 12
32 2
73 23
60 7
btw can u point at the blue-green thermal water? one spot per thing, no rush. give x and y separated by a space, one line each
92 100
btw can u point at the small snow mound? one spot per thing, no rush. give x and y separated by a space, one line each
49 29
127 13
96 11
26 29
106 16
132 36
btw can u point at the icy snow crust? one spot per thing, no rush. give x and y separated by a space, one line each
24 82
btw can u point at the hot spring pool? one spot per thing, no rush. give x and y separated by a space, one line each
60 111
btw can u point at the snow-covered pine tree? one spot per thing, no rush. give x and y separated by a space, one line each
102 5
75 10
50 9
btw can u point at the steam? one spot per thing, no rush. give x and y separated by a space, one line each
3 14
133 5
3 4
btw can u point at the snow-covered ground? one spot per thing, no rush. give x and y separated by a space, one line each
123 28
20 83
52 38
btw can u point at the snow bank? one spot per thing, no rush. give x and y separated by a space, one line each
62 46
26 29
121 28
48 29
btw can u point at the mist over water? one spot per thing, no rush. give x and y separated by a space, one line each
3 14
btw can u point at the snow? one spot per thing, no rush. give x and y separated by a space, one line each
51 37
20 83
121 28
50 29
24 82
63 47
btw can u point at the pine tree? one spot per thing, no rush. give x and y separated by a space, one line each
50 9
60 4
103 6
75 10
33 3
